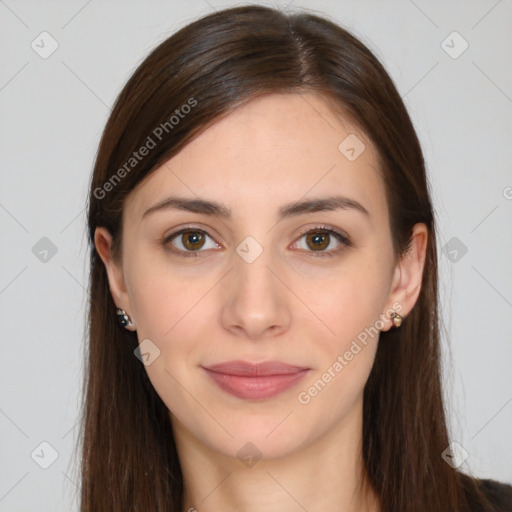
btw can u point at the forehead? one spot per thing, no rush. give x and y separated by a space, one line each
274 149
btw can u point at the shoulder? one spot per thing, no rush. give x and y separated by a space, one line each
498 494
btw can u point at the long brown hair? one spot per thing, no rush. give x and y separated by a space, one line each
129 459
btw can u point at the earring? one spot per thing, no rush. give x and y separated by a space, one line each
123 318
397 319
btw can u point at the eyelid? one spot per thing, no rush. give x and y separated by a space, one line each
165 241
331 230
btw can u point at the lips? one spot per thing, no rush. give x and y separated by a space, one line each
255 381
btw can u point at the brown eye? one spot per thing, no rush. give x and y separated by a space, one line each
317 240
189 241
192 240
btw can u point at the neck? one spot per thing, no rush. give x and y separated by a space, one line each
324 475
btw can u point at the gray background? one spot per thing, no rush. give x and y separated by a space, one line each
52 112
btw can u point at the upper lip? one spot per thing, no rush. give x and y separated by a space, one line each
247 369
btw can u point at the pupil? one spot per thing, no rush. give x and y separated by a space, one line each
319 240
193 238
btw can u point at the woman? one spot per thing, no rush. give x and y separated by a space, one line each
264 312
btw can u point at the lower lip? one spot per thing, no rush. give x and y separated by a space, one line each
255 388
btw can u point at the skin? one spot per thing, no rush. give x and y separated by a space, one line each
283 306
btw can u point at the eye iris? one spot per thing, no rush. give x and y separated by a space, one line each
320 240
195 240
191 238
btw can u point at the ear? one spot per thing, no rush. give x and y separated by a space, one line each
103 243
406 284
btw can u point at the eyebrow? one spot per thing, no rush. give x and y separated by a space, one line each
216 209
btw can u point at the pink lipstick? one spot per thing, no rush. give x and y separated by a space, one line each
255 381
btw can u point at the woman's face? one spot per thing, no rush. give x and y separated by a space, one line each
253 285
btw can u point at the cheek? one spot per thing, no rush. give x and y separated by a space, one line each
348 304
335 305
348 349
344 356
176 311
172 315
163 299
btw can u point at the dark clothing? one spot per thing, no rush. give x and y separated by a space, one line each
499 495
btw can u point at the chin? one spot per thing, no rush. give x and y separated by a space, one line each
257 435
252 444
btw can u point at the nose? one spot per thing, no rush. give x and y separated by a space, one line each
256 300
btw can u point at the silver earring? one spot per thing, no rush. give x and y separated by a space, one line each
123 318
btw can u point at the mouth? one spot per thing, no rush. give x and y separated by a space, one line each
255 381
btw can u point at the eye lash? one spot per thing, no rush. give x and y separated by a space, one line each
330 231
320 229
187 254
